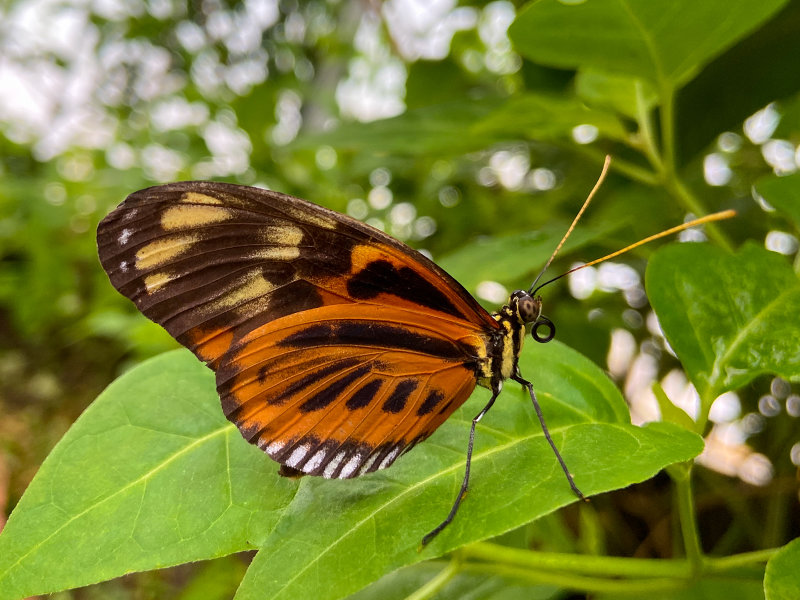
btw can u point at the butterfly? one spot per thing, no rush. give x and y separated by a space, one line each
336 347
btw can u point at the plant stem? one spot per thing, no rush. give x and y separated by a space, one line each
644 121
610 566
600 573
577 582
681 474
735 561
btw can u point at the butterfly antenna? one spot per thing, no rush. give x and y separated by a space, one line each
574 221
718 216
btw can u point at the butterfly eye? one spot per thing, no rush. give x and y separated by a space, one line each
551 330
528 308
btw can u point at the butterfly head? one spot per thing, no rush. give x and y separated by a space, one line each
528 309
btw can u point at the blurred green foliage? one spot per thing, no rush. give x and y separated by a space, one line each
472 131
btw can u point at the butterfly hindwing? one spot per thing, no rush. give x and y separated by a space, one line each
339 393
336 347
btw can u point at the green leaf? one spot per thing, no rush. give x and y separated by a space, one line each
441 129
151 475
669 411
782 193
665 42
546 117
782 579
375 527
456 128
728 317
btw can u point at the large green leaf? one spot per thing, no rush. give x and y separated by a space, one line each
664 42
367 531
150 475
153 475
456 128
729 317
782 579
441 129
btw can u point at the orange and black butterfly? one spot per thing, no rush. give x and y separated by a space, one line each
336 347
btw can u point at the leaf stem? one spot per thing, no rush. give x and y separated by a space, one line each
736 561
643 119
576 582
609 566
600 573
681 474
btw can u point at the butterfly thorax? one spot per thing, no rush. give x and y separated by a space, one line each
505 345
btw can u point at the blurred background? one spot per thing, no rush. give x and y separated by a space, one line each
419 117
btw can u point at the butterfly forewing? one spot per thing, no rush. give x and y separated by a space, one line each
336 346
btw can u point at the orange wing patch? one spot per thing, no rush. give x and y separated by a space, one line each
338 394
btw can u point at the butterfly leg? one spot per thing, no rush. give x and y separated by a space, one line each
517 376
465 484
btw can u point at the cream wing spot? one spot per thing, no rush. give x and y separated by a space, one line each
153 283
320 220
283 235
277 253
124 236
161 251
192 215
198 198
251 286
282 243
